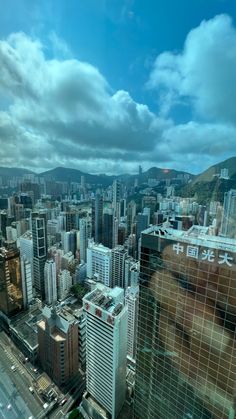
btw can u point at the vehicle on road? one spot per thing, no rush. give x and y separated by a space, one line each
13 368
63 401
31 389
45 406
9 406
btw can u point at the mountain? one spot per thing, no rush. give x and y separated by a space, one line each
207 175
13 172
208 186
63 174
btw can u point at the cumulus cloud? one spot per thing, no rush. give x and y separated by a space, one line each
66 107
61 111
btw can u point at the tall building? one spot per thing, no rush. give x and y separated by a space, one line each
39 236
69 240
99 263
118 257
58 345
26 247
64 284
131 300
228 223
11 296
108 219
116 197
97 218
27 282
85 234
50 281
106 341
186 363
131 214
132 269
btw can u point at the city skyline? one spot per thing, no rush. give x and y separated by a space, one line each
140 88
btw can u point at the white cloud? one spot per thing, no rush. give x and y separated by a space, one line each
61 111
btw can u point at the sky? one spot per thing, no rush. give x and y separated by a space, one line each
104 86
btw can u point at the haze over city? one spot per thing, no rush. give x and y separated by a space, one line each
103 86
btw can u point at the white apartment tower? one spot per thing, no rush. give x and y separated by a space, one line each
106 336
131 300
99 263
50 281
85 229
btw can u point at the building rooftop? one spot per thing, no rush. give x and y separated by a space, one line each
25 326
109 299
197 235
27 235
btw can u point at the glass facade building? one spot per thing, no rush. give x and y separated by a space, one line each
186 352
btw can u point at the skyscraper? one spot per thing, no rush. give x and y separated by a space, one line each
186 361
58 345
108 219
50 281
106 348
131 300
228 224
85 234
97 214
11 296
118 257
99 263
39 252
116 197
131 214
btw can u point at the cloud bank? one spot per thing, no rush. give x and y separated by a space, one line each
61 111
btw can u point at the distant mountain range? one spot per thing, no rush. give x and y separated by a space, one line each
207 185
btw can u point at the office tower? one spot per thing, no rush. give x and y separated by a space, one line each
131 214
123 207
3 222
58 345
122 233
26 247
140 170
108 228
71 220
132 269
228 223
50 281
85 230
141 224
64 284
131 300
27 282
118 256
99 263
106 341
39 251
150 202
82 181
116 197
97 215
69 241
11 298
185 362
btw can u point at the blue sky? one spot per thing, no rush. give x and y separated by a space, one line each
104 85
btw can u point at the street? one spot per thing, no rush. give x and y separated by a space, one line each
16 401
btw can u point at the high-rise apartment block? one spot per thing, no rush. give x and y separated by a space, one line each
50 281
58 345
186 362
11 295
99 263
106 341
85 233
131 300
